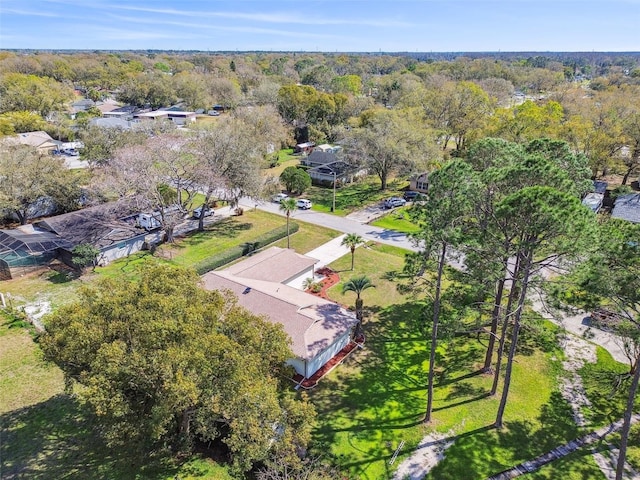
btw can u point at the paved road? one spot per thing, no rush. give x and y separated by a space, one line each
341 224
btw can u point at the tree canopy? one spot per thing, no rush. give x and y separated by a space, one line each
161 361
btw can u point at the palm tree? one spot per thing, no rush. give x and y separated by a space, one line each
287 206
358 285
352 240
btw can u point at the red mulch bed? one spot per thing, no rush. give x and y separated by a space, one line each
330 279
330 365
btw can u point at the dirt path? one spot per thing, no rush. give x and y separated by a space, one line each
426 456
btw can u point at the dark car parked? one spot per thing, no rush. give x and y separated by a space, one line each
410 196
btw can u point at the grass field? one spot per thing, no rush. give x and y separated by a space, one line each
377 398
397 220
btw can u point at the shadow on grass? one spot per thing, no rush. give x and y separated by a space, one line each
378 397
56 439
483 452
225 228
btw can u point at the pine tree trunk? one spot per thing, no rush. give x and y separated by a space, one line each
626 426
513 293
434 332
495 319
514 340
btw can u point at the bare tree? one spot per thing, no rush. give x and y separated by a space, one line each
159 175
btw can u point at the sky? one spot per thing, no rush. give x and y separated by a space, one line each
326 26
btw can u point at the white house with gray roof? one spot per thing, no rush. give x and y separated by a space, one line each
319 329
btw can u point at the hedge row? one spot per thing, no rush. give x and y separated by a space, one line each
228 256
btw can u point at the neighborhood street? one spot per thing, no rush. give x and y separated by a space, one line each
341 224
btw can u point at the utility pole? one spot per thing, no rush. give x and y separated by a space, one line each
333 205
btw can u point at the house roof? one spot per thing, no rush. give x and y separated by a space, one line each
30 240
420 176
37 139
100 226
318 157
154 114
274 264
312 322
339 167
627 207
599 186
107 107
110 122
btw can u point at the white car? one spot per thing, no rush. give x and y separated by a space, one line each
394 202
304 204
277 198
207 212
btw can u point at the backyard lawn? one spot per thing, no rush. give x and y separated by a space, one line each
377 398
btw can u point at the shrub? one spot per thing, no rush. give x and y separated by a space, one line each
239 251
621 190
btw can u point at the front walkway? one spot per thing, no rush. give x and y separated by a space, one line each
329 252
564 450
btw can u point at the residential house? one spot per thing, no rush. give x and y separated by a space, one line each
419 182
112 228
627 207
305 148
111 122
154 115
82 105
176 116
327 164
319 329
39 140
126 113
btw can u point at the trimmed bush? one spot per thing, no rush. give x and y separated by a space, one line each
231 254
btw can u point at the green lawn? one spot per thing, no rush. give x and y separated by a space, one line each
220 236
353 196
377 398
397 220
56 287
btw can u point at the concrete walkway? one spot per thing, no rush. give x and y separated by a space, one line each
329 252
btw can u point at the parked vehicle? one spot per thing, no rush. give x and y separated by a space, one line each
277 198
410 196
71 151
148 221
394 202
304 204
207 211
